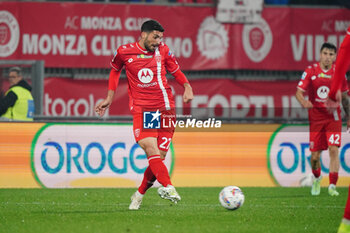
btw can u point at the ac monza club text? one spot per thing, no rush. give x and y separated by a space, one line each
98 45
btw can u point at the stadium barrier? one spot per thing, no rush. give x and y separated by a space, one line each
72 155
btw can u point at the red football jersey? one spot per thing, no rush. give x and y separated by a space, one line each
148 85
318 83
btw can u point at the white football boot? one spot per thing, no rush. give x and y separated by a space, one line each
316 186
169 193
332 191
136 201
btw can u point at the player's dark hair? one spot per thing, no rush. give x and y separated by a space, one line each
151 25
328 45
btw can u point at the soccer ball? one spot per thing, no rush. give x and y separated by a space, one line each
231 197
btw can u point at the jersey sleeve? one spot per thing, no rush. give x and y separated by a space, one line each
341 66
170 61
113 80
180 77
305 79
344 86
117 62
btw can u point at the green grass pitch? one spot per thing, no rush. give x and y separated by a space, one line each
106 210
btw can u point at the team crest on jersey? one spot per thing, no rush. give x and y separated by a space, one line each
145 75
144 56
158 58
137 132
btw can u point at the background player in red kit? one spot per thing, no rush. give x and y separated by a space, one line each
146 63
341 66
325 127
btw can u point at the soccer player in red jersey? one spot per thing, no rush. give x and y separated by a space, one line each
325 127
341 66
146 63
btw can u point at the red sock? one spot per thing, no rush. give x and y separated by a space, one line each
148 180
159 170
333 178
317 172
347 207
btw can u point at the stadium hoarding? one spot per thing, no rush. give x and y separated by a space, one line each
89 155
34 155
234 156
289 157
82 37
209 93
222 97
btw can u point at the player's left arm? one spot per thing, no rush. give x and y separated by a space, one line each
173 67
182 80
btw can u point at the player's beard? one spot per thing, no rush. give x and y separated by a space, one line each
148 46
327 64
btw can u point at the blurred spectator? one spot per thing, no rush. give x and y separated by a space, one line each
18 101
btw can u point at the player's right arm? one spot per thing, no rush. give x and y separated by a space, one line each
303 102
114 75
112 85
302 86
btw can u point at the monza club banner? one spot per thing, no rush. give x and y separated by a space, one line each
87 35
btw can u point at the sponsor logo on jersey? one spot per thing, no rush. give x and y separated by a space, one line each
9 34
212 39
144 56
151 120
147 84
323 75
322 92
257 40
145 75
